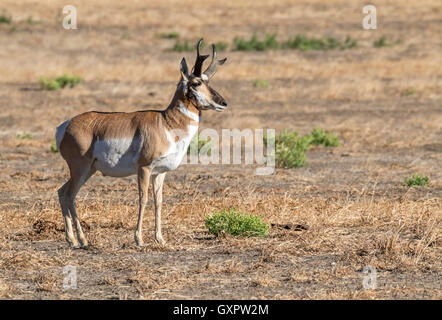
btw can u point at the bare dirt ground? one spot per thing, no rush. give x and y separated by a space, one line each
351 196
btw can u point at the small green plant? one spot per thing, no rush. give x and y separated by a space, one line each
197 144
49 84
125 36
416 180
261 83
30 20
381 42
24 136
170 35
349 43
237 223
54 148
183 46
5 18
408 92
69 80
60 82
290 149
320 137
301 42
221 46
268 43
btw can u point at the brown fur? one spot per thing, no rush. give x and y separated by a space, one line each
85 129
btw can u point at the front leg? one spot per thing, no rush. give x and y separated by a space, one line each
157 183
143 186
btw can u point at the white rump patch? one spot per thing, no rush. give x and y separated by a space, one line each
59 133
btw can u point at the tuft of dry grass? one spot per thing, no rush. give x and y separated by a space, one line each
6 290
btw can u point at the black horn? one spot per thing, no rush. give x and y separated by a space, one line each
197 68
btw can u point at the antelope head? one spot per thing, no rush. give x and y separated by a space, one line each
196 85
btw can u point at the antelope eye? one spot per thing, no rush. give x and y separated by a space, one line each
195 84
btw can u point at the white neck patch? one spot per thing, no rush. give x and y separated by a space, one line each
188 113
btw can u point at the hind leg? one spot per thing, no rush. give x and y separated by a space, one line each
67 216
78 179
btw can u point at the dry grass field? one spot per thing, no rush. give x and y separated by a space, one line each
384 103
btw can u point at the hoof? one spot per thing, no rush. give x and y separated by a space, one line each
86 247
73 244
139 240
160 241
139 243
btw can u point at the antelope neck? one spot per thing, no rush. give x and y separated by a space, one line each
182 113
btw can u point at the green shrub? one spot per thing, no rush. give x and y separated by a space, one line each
197 142
30 20
290 149
70 80
381 42
60 82
125 36
54 148
268 43
236 223
320 137
170 35
416 180
261 83
25 136
183 46
408 92
221 46
49 84
349 43
300 42
5 18
304 43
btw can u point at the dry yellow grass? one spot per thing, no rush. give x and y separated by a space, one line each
350 197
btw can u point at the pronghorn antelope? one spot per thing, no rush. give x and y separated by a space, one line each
145 143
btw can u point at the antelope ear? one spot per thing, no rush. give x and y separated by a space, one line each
184 70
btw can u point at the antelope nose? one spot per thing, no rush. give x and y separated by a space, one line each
223 103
